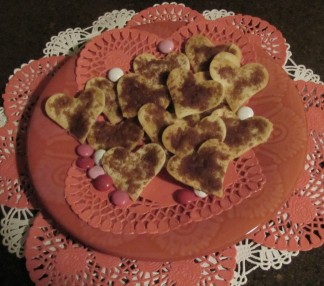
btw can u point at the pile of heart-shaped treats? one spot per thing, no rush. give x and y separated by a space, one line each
178 112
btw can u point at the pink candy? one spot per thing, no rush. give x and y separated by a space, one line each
95 172
119 198
100 180
184 196
166 46
84 162
103 183
84 150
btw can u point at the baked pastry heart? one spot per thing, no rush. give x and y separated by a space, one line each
223 110
104 135
154 119
193 93
204 169
76 114
200 50
243 135
134 91
111 109
131 172
240 83
181 139
157 70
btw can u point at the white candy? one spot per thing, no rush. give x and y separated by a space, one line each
245 112
98 155
115 74
200 194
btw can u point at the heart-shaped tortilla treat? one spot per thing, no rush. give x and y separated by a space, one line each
134 91
154 119
111 109
242 135
192 93
157 70
240 83
204 169
223 110
200 50
181 139
131 172
125 134
76 114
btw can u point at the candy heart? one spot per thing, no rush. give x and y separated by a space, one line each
181 139
126 134
157 70
240 83
131 172
200 51
193 93
242 135
134 91
111 109
76 114
203 169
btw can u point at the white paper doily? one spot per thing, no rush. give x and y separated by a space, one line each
251 256
15 222
3 117
14 226
70 41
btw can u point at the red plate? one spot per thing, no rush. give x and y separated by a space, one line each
51 152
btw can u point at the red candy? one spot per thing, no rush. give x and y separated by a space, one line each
84 150
84 163
119 198
103 183
184 196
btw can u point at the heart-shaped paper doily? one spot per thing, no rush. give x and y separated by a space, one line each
117 48
262 34
19 100
53 258
166 12
156 211
220 33
113 48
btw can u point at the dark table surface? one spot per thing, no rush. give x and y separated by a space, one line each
26 26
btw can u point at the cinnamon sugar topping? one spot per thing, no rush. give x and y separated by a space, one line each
238 132
125 134
193 92
205 167
61 103
136 93
254 80
157 69
195 136
208 53
227 72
